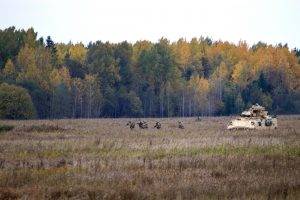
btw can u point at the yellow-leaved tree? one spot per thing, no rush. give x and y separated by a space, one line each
27 67
242 74
9 70
182 53
200 87
78 52
59 76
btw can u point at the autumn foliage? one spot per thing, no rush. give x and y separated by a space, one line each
162 79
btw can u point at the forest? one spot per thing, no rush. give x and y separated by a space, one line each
42 79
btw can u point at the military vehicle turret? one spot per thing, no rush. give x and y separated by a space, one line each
255 118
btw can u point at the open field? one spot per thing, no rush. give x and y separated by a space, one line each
104 159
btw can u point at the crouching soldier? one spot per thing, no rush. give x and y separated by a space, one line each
157 125
143 124
131 125
180 125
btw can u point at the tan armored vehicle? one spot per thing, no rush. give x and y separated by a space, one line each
254 118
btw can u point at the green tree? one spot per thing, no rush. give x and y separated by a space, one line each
62 107
101 61
129 103
92 95
123 55
239 104
40 98
11 41
15 103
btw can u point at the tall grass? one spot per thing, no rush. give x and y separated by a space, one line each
104 159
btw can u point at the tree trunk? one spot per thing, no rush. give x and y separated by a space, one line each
90 101
81 107
150 107
75 106
190 107
183 102
52 104
167 91
209 107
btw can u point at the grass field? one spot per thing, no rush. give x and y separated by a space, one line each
104 159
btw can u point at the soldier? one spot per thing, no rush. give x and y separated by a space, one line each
157 125
180 125
140 123
198 119
143 124
131 125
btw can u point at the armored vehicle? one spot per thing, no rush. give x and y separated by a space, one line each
255 118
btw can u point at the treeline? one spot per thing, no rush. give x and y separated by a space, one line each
162 79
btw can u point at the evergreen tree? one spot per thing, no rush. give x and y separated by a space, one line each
51 46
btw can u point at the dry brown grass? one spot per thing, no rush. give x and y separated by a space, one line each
104 159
